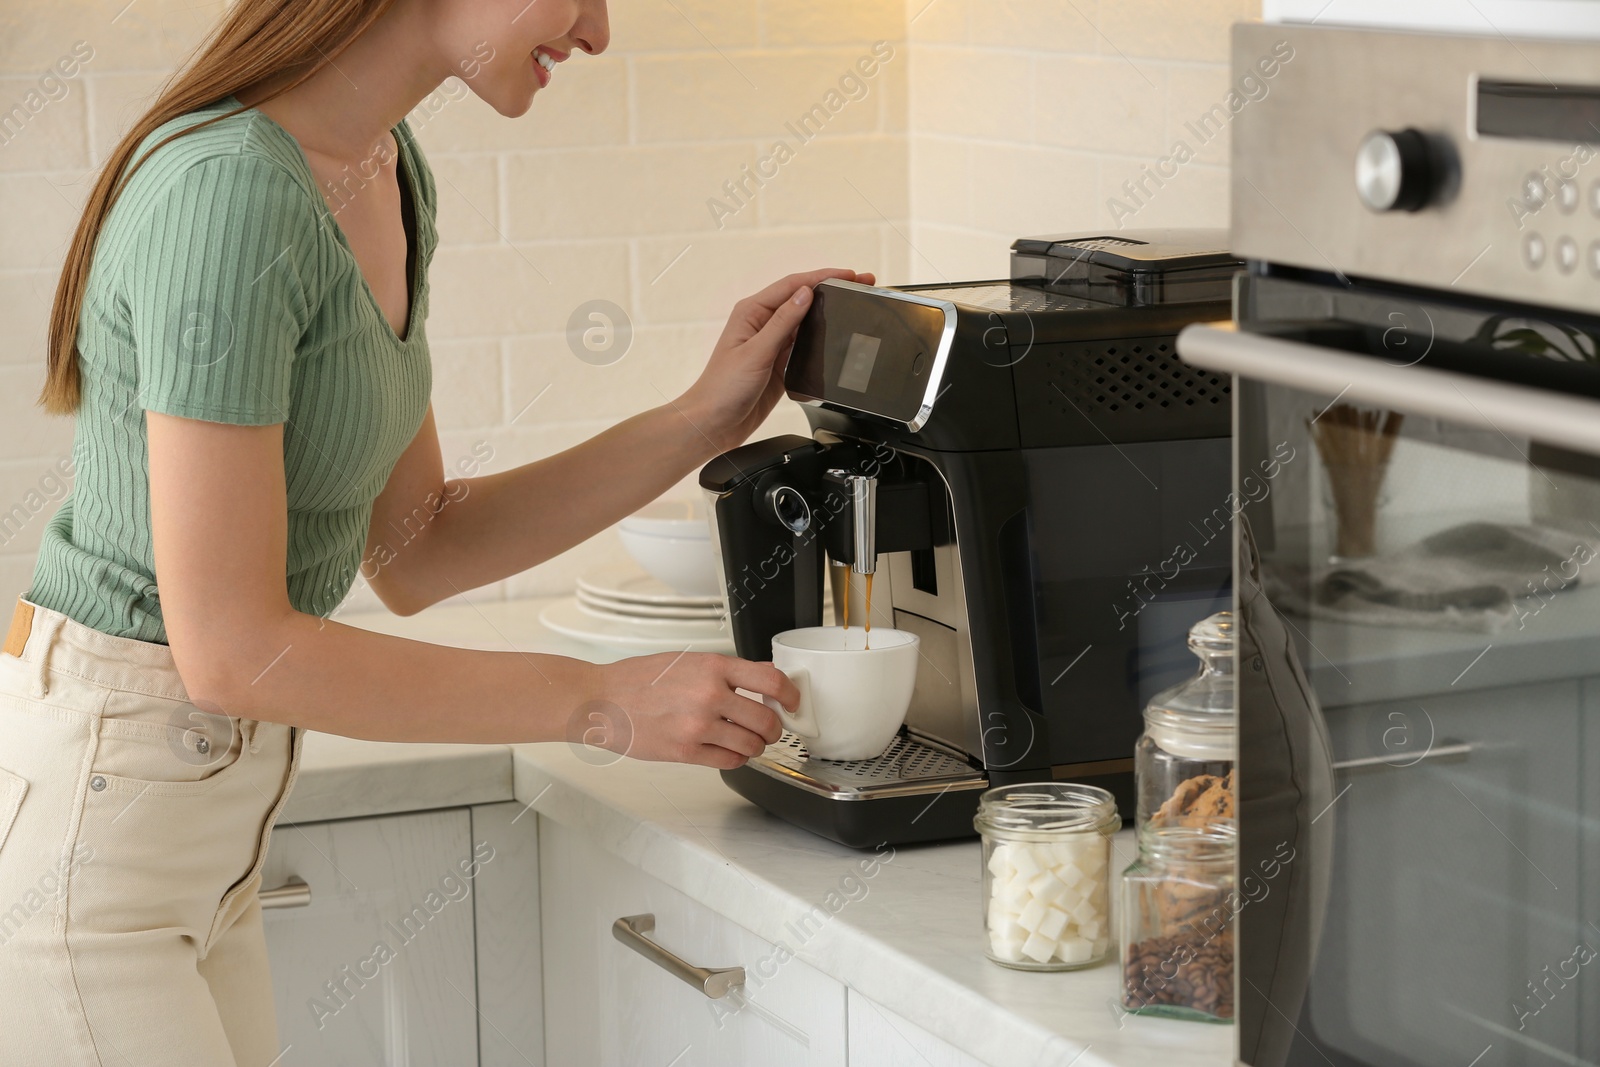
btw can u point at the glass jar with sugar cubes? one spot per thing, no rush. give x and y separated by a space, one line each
1183 762
1047 874
1176 919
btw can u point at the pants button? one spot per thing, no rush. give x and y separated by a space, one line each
202 746
97 783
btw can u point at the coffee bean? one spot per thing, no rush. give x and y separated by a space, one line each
1184 970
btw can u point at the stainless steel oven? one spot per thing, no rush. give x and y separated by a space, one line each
1416 348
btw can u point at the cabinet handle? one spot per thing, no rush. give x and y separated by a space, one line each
1453 750
291 894
714 982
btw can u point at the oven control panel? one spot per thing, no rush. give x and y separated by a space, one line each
1451 162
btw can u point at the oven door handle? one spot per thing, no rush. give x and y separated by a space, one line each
1507 408
1450 750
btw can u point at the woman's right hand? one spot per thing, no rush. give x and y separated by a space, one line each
681 707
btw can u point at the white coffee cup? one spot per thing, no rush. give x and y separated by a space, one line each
852 698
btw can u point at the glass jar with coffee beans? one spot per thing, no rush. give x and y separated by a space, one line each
1176 922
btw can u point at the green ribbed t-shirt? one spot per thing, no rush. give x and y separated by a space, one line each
222 289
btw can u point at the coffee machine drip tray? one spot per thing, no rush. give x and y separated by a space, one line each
908 766
916 791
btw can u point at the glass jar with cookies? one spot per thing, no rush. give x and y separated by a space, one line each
1183 762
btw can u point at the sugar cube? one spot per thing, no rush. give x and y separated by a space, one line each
1052 924
1062 853
1012 893
1000 861
1072 950
1046 887
1024 860
1090 928
1081 913
1006 948
1040 949
1033 914
1077 892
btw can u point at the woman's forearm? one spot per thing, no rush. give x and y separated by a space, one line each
501 524
323 675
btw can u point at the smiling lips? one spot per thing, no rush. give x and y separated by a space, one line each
545 61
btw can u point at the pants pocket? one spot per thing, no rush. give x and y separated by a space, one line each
12 789
155 740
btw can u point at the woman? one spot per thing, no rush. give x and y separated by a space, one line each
251 385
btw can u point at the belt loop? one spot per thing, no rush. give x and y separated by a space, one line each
46 636
252 729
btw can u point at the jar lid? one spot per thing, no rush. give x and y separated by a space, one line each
1213 633
1046 809
1205 741
1195 718
1216 840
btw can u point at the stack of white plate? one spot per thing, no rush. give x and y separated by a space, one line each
623 607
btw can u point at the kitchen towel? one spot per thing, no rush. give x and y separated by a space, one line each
1478 576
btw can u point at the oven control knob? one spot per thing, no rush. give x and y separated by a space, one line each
1393 172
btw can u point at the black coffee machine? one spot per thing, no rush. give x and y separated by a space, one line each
1040 490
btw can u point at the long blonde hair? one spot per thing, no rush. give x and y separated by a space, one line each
258 39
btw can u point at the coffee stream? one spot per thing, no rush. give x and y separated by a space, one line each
846 620
868 613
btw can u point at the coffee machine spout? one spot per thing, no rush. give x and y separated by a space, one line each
863 522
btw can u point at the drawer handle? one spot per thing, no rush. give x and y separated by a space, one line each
1453 750
714 982
291 894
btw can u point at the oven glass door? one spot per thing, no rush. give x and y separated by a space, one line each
1419 764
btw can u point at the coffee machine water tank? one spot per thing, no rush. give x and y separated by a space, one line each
1051 516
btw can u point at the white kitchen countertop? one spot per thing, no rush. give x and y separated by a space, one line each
913 943
342 778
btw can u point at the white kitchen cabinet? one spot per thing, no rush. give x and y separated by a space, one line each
606 1004
506 907
377 966
880 1038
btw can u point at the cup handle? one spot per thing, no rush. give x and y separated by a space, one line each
802 722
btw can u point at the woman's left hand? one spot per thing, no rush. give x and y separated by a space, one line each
743 379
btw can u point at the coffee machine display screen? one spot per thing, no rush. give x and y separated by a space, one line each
877 351
859 356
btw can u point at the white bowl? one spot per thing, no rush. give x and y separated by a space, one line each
687 564
670 518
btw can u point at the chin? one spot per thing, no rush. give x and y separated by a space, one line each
518 107
510 101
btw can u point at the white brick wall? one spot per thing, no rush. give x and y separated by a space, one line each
999 117
1028 115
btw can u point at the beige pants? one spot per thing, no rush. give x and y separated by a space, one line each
133 827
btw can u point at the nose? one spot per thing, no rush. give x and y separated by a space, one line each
593 31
